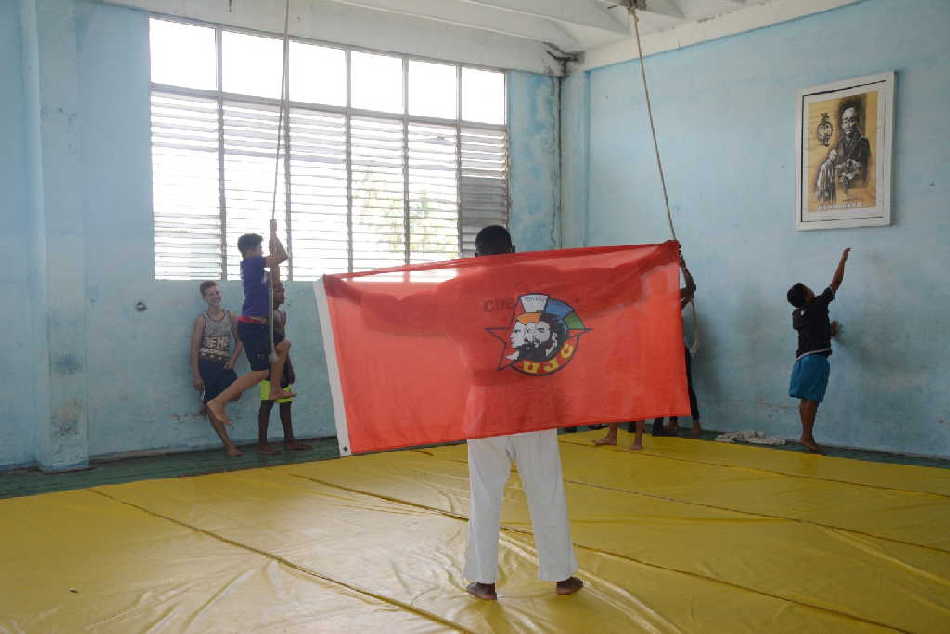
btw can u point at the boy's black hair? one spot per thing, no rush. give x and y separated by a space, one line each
205 286
493 240
796 295
249 241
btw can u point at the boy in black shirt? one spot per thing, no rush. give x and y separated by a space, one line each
815 330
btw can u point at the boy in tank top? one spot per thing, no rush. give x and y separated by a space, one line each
214 350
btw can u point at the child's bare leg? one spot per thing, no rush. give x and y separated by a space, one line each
697 430
807 410
217 406
277 372
222 432
263 422
611 437
289 441
637 443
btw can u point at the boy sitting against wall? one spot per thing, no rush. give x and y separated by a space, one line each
252 325
289 378
212 358
812 369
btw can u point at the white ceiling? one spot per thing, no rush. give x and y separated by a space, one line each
515 34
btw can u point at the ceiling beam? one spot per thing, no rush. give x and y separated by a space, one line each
668 8
477 16
590 13
325 21
747 18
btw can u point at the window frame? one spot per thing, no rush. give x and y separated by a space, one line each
348 111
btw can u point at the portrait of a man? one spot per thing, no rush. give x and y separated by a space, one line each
844 141
846 165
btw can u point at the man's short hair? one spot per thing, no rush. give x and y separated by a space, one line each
796 295
493 240
848 104
249 241
205 286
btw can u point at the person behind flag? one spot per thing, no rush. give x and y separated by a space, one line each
815 330
539 464
610 438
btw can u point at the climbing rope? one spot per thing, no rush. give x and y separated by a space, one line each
282 117
694 346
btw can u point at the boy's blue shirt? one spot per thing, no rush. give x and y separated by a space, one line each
256 280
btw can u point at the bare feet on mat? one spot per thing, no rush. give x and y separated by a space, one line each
672 430
296 445
267 450
234 452
696 432
217 412
811 445
280 395
606 440
569 586
482 591
635 446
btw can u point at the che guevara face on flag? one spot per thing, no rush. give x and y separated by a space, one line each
542 338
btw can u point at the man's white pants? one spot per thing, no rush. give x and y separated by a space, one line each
539 464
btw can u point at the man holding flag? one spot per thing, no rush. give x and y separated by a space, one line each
539 464
501 350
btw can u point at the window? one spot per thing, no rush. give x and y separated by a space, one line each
385 160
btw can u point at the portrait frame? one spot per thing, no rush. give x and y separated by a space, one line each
843 145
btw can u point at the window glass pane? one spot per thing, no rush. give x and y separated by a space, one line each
251 65
433 193
317 74
379 227
483 96
318 197
185 187
433 90
376 82
250 144
182 55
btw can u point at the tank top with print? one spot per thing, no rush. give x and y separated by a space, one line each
216 343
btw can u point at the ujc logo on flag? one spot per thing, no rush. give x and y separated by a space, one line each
542 337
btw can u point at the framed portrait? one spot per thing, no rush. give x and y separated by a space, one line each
843 145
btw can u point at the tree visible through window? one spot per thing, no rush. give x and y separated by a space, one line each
385 160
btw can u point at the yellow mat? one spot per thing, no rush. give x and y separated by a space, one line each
687 536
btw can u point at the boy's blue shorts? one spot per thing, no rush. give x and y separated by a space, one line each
810 377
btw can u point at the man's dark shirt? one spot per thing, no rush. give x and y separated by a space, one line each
814 326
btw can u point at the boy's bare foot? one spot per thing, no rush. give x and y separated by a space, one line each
267 450
234 452
296 445
280 395
569 586
811 445
217 412
696 432
483 591
606 440
635 446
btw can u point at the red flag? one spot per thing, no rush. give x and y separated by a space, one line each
503 344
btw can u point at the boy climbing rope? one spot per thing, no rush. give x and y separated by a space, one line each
253 329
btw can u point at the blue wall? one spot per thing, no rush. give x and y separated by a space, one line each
134 364
16 364
725 115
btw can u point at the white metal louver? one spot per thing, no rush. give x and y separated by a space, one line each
185 187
